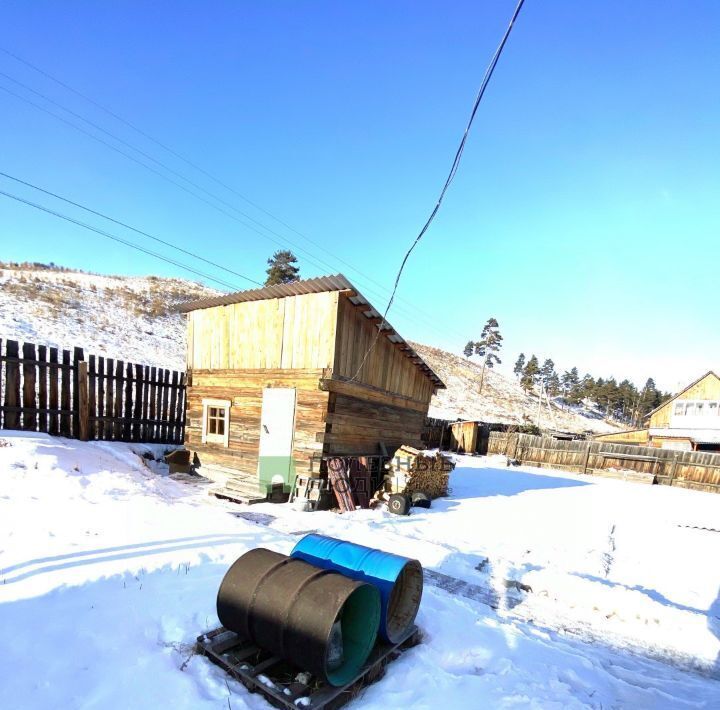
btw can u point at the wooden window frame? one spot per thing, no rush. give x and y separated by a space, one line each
207 437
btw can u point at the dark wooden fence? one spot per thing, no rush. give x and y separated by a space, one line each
62 393
688 469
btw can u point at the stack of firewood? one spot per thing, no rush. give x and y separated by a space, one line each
410 470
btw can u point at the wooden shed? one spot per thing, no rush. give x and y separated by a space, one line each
279 377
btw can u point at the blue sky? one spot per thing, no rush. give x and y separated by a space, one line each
584 217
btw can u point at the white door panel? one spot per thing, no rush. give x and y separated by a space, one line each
277 425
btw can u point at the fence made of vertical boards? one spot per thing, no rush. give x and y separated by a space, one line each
68 394
699 470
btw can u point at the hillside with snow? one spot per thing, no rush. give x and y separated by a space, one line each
136 319
502 399
131 318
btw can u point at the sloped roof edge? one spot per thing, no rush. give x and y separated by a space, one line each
321 284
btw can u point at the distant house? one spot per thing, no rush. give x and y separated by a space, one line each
280 375
689 421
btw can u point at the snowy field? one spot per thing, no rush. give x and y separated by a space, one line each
109 570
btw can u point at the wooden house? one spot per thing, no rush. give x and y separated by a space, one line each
281 376
689 421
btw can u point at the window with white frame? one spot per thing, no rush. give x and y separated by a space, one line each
697 408
216 421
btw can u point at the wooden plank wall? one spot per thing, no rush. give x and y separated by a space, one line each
689 469
707 387
243 388
386 367
61 393
296 332
355 426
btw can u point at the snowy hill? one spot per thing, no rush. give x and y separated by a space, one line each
135 319
131 318
502 399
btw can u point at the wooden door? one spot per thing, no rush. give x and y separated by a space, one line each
277 428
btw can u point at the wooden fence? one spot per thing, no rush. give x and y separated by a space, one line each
688 469
59 392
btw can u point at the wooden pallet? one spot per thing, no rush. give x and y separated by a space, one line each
260 671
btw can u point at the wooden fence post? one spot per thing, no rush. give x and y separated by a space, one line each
54 399
109 400
100 424
673 468
29 413
118 413
42 388
82 410
127 409
92 400
78 356
587 456
12 385
66 416
138 404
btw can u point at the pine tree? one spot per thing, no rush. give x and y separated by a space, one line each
488 347
281 268
571 386
530 374
519 365
553 385
469 349
546 372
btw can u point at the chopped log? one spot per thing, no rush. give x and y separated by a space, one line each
410 470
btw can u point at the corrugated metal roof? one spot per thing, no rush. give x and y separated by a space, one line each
321 284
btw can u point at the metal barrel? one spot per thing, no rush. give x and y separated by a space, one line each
291 608
398 579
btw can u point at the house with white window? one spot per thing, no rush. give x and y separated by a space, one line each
689 421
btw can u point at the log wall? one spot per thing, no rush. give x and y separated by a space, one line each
355 426
244 390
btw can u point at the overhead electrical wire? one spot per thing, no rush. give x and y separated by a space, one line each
448 181
127 226
312 258
115 238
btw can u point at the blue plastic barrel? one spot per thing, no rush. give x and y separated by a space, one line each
398 579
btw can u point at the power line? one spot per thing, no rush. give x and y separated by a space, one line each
128 226
451 176
174 182
115 238
318 262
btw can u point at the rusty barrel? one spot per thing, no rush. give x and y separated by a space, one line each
398 579
316 619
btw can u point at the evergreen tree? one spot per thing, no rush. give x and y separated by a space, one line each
469 349
488 347
571 386
553 385
546 372
281 268
530 374
649 397
519 365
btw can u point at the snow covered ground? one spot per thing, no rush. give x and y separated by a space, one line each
109 570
